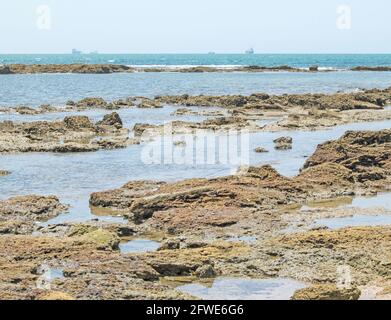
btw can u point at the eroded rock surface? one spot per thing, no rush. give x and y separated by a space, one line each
19 214
73 134
197 220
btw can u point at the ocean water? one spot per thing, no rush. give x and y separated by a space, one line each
338 61
57 89
39 89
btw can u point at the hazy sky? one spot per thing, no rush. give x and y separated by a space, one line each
194 26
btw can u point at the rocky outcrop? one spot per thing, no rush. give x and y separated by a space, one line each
91 102
33 207
64 68
367 99
112 119
367 154
368 68
18 215
89 273
220 202
283 143
327 292
73 134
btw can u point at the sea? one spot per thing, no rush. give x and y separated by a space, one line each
36 89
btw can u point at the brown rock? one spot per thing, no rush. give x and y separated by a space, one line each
112 119
326 292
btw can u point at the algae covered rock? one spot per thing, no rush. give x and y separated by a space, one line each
104 240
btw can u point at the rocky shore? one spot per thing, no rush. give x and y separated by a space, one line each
72 134
290 111
195 220
117 68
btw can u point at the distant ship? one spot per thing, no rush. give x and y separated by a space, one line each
75 51
250 51
211 52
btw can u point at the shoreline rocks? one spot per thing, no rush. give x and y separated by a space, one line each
327 292
64 68
18 215
72 134
117 68
340 164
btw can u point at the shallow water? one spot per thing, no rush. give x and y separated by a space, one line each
74 176
244 289
246 239
355 221
382 200
57 89
139 246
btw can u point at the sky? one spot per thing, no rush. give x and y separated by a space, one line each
195 26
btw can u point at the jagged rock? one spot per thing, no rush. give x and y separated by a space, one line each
91 102
78 122
112 119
